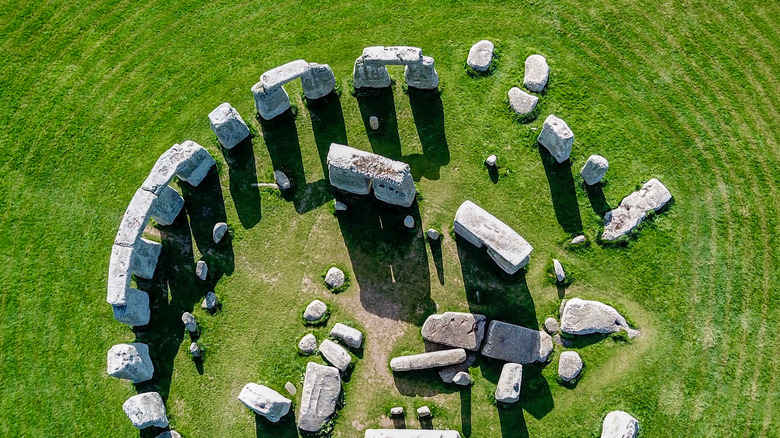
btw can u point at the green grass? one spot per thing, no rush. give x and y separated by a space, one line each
92 92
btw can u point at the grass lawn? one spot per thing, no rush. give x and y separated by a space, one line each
91 93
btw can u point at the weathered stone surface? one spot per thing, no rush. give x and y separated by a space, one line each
462 378
147 409
411 433
228 126
265 401
560 274
278 76
201 270
168 206
318 81
619 424
281 180
433 359
334 278
169 434
197 164
582 317
119 274
366 75
521 102
491 160
290 388
537 72
423 411
130 362
392 55
335 354
356 171
195 350
397 411
308 344
321 389
188 160
219 231
433 234
422 75
578 240
514 343
569 366
339 206
455 329
448 373
351 337
315 310
270 103
136 310
633 209
481 56
594 169
136 217
551 325
409 222
557 138
190 323
146 253
509 383
373 122
507 248
210 302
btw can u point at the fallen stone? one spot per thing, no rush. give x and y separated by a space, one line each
195 350
509 383
340 206
491 160
189 322
367 75
351 337
265 402
196 166
507 248
392 55
130 362
210 302
513 343
551 325
537 72
481 56
220 229
335 354
201 270
569 366
228 126
168 206
455 329
557 138
578 240
633 209
136 311
594 169
278 76
447 374
290 388
423 411
411 433
433 234
169 434
582 317
315 311
281 180
560 274
521 102
619 424
270 103
373 122
433 359
308 344
462 378
334 278
318 81
146 409
321 389
397 411
409 222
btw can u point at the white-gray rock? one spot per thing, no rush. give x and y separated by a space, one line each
521 102
422 75
569 366
194 168
219 231
491 160
594 169
321 389
509 383
270 103
318 81
551 325
619 424
315 310
368 75
433 359
189 322
195 350
351 337
136 217
411 433
462 378
447 374
169 434
507 248
557 138
397 411
335 354
278 76
578 240
227 125
168 206
308 344
130 362
582 317
409 222
265 401
119 274
633 209
339 206
146 253
423 411
290 388
334 278
560 274
392 55
537 72
455 329
373 122
136 311
281 180
513 343
481 56
201 270
146 409
210 302
433 234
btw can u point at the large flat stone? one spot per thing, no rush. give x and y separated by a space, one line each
509 383
411 433
278 76
145 410
433 359
455 329
392 55
521 102
265 401
513 343
335 354
633 209
619 424
321 389
583 317
227 125
557 138
351 337
481 56
130 362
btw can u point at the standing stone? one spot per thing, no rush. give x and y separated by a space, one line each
578 240
455 329
146 409
168 206
201 270
210 302
195 350
433 234
409 222
557 138
189 322
423 412
569 366
422 75
594 169
491 160
551 325
560 274
136 312
334 278
536 73
351 337
321 389
447 374
513 343
339 206
481 56
281 180
315 311
521 102
270 103
373 122
633 209
318 81
369 75
130 362
194 169
265 402
582 317
228 125
308 344
462 378
219 231
397 411
335 354
509 383
433 359
146 253
290 388
619 424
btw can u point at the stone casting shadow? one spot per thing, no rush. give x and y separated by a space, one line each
399 422
243 182
327 123
428 113
598 202
384 141
284 428
564 195
438 259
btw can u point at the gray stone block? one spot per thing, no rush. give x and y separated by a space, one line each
537 72
521 102
392 55
278 76
513 343
509 383
557 138
583 317
594 169
264 401
369 75
433 359
228 126
335 354
197 164
455 329
135 218
619 424
270 103
321 389
136 311
351 337
145 256
569 366
147 409
481 56
633 209
130 362
168 206
318 81
422 75
411 433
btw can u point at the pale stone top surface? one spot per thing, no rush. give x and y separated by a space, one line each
368 164
278 76
634 208
392 55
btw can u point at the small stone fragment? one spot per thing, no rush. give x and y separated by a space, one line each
373 122
130 362
462 378
340 206
594 169
491 160
290 388
481 56
551 325
569 366
220 228
433 359
433 234
308 344
195 350
146 409
210 302
556 137
409 222
537 72
619 424
521 102
560 275
448 373
351 337
578 240
509 383
334 278
315 311
201 269
423 411
189 322
265 402
335 354
281 180
397 411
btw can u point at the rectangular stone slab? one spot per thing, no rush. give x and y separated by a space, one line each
455 329
136 217
321 389
278 76
392 55
633 209
513 343
411 433
433 359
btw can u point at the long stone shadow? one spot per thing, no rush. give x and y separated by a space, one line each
284 428
327 123
598 202
428 113
385 140
564 195
243 182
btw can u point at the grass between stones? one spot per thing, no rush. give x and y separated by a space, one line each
92 93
